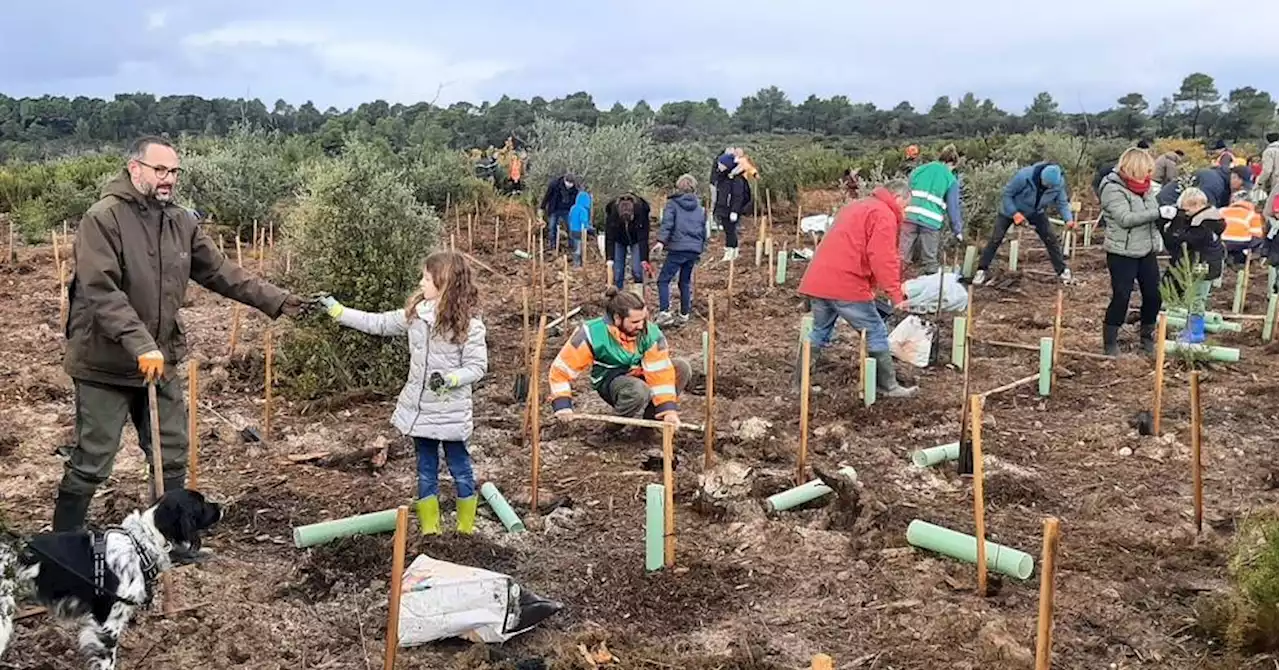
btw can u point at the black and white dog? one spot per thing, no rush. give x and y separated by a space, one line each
98 578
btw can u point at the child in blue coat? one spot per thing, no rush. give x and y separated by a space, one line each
579 220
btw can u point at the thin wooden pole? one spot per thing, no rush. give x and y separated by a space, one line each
1032 347
1197 483
62 295
535 415
564 268
766 225
822 662
396 587
528 235
1162 330
13 252
1048 566
57 260
268 380
157 481
708 422
1057 341
255 233
457 227
448 203
471 235
496 230
802 465
669 486
193 429
979 502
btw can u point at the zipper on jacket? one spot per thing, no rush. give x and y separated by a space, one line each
426 372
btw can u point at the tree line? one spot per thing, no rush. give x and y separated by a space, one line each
38 127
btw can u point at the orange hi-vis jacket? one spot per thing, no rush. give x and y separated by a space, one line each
1243 222
600 347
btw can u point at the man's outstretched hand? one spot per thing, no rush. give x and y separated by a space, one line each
296 305
672 418
564 416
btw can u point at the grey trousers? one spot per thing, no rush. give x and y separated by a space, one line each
929 241
629 396
101 410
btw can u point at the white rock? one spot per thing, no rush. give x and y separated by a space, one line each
1126 451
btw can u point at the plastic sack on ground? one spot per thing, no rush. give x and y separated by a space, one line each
442 600
922 294
911 341
817 223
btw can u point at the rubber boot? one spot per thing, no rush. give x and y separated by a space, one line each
69 511
428 511
175 483
1147 335
1111 340
1193 333
887 379
467 515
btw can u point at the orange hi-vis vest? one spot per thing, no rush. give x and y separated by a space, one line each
1243 223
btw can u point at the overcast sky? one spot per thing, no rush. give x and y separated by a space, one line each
344 52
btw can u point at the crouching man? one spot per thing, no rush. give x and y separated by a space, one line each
630 366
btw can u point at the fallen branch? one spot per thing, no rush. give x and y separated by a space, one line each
628 421
558 320
32 612
1011 385
477 261
1032 347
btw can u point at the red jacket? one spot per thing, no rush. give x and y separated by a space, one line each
859 254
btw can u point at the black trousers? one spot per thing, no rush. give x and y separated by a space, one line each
1043 228
730 231
1124 272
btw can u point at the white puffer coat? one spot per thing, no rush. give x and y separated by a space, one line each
420 412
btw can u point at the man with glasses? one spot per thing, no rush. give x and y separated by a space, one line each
135 251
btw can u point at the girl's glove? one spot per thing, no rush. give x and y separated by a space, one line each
441 384
333 307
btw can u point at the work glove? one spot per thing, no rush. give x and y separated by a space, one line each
1071 225
1019 219
332 306
733 216
648 269
1167 212
441 384
151 365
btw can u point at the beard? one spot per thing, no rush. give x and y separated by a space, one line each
159 192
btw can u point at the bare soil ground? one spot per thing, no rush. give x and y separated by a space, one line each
748 591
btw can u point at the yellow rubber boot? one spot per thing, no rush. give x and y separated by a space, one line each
428 511
467 515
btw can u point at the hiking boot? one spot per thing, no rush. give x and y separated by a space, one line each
467 515
428 511
1193 333
70 510
728 255
664 319
1147 335
1065 277
1111 340
682 319
887 379
979 278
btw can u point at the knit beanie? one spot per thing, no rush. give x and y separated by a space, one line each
1051 176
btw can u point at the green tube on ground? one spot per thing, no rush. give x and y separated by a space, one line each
1004 560
1088 234
1269 323
325 531
970 257
1046 365
1013 256
522 254
923 458
502 508
868 381
653 528
799 495
959 332
759 252
1209 326
1209 317
1222 354
781 272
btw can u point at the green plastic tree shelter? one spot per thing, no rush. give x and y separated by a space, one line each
970 257
1222 354
1269 322
1209 326
780 274
959 331
510 520
799 495
1004 560
325 531
654 495
1209 317
868 382
1013 255
924 458
1046 365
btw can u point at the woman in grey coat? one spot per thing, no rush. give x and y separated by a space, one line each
1132 241
447 354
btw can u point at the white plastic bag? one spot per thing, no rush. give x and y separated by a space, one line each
911 341
441 600
922 294
817 223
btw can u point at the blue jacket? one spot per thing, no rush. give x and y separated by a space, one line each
580 214
1025 194
1216 184
684 224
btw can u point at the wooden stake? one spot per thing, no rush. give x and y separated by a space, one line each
766 225
1197 491
709 421
1057 340
1032 347
564 268
57 260
268 380
262 254
1242 293
802 457
235 330
471 235
157 482
193 430
1162 330
535 415
496 230
396 587
1048 566
822 662
239 253
528 235
669 487
979 503
62 295
255 233
13 252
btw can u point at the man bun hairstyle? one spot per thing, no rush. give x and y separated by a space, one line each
619 304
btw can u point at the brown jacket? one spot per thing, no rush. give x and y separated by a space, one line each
133 259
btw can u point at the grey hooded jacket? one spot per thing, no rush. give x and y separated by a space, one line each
421 412
1133 221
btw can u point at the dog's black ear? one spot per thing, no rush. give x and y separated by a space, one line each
182 514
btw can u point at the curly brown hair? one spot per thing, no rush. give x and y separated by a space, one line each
458 296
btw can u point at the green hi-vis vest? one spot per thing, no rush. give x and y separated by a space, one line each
611 358
929 185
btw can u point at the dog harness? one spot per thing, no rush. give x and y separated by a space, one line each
149 568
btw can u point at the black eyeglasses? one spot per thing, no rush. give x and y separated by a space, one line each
163 171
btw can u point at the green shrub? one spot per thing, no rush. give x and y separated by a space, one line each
34 219
358 233
1246 617
439 175
609 160
672 160
239 178
784 170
